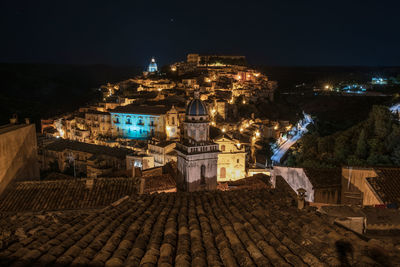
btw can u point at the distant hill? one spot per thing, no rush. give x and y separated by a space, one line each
292 75
43 90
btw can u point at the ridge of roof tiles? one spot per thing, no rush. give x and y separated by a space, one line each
63 144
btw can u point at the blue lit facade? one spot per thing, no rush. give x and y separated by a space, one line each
137 126
152 66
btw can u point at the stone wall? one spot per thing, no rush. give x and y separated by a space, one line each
296 178
355 188
18 154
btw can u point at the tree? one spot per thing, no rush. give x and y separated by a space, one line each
362 147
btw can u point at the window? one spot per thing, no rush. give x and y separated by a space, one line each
237 161
222 172
128 121
223 148
173 120
203 175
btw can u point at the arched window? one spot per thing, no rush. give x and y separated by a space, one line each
223 148
222 172
203 175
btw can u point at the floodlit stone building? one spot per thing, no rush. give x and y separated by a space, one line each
231 160
197 155
163 152
83 159
18 153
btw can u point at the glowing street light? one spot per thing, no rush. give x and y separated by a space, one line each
244 101
257 134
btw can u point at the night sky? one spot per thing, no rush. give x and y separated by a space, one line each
267 32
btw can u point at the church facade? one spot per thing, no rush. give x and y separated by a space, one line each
197 154
231 160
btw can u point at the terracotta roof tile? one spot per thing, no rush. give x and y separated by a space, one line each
159 183
135 109
65 194
234 228
62 144
321 178
387 184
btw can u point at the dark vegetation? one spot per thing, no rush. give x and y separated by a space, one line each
372 142
45 90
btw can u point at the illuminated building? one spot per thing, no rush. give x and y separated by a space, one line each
197 155
18 153
84 159
140 161
142 122
163 152
152 66
216 60
231 160
98 122
380 81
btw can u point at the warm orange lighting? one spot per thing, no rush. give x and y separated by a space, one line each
244 101
257 134
241 130
223 130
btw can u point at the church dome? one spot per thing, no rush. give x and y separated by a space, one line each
196 107
152 66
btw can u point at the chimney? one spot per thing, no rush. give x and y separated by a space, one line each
142 185
14 119
301 198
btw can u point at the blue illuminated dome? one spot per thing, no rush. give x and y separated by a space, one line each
152 66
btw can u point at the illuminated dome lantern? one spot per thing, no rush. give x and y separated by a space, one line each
152 66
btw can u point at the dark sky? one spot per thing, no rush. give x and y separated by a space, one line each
301 32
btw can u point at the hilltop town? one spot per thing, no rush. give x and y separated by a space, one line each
146 114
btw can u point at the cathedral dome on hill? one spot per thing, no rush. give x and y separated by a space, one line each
152 66
196 107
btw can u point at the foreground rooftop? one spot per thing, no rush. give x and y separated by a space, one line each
233 228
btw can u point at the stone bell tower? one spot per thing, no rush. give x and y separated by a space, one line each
197 155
